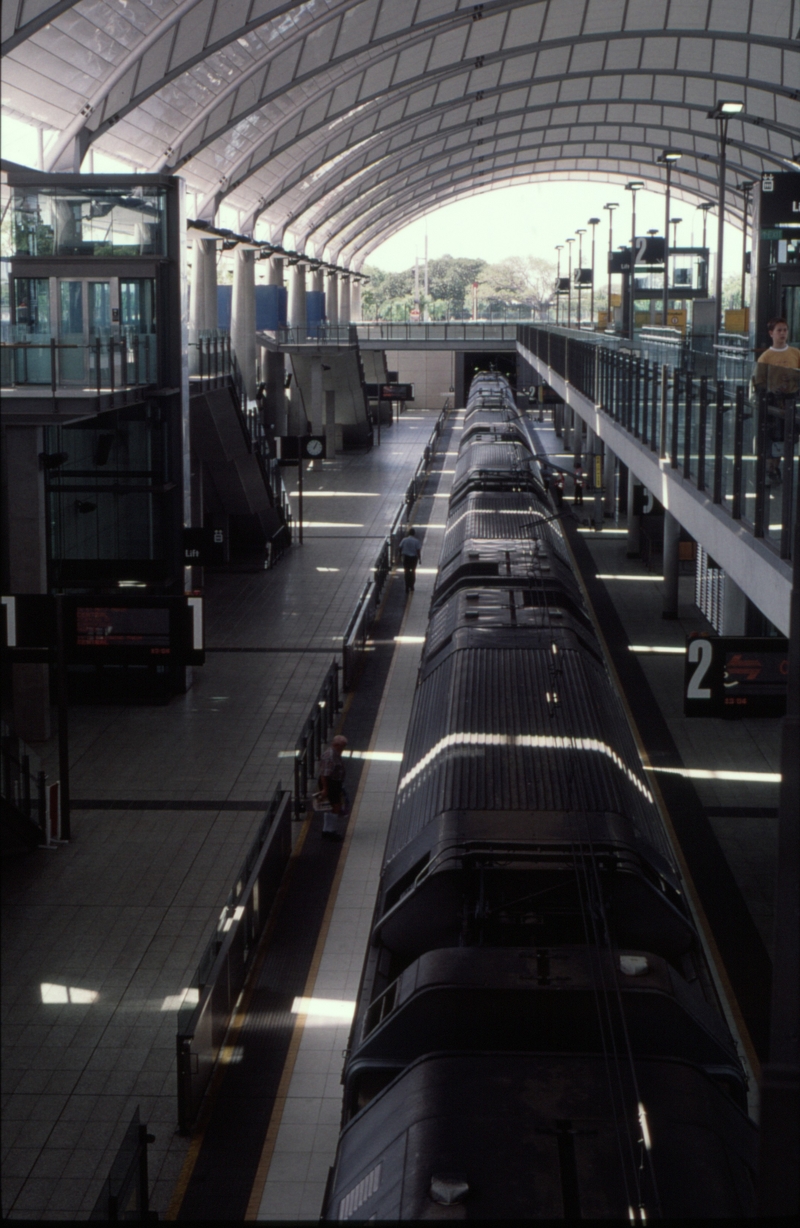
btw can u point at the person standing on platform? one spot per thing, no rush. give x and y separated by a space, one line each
579 480
410 553
558 487
778 370
331 784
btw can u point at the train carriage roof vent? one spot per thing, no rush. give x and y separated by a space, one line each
448 1188
633 965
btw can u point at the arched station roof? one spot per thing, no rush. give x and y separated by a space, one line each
341 120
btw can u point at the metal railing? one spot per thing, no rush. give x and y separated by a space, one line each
323 713
735 438
126 1190
318 335
354 642
226 962
465 331
23 790
106 365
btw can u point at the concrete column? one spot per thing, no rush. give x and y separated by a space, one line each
355 302
275 367
330 424
276 270
633 544
591 448
558 419
598 501
577 440
243 317
566 424
672 532
317 407
609 480
202 295
297 304
317 281
332 300
734 608
27 568
344 301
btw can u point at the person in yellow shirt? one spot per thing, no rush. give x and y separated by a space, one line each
778 368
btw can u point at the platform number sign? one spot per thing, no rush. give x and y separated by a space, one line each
732 676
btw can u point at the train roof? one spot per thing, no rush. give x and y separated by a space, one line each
520 729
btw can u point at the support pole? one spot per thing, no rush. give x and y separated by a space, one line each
672 533
633 548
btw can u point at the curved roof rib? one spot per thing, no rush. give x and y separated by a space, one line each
311 115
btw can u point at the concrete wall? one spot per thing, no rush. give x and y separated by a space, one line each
432 372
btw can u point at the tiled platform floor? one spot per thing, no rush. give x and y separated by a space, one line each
100 937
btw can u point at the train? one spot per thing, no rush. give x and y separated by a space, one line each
537 1033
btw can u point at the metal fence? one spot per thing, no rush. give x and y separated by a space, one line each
106 365
436 332
354 643
126 1190
221 974
309 745
23 792
736 439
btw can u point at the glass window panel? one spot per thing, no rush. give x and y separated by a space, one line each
71 296
99 308
124 221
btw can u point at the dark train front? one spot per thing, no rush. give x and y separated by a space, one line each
537 1033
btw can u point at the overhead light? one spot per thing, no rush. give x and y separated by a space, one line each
595 221
614 204
634 185
724 108
669 155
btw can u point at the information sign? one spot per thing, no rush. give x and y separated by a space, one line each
732 676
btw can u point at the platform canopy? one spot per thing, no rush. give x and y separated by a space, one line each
342 120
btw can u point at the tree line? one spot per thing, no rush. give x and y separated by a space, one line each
519 281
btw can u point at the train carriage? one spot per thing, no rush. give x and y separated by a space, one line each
537 1033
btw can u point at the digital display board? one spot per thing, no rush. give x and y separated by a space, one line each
732 676
107 626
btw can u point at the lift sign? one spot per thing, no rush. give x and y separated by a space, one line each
730 676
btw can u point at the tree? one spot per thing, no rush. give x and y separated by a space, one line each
527 280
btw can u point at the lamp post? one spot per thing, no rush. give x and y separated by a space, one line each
569 288
745 189
633 187
559 249
580 232
721 115
668 158
610 207
593 222
705 208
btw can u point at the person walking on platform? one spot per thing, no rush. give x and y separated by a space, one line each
410 553
331 784
558 487
579 480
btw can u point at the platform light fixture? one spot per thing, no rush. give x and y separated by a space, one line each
569 242
633 186
559 249
745 188
594 222
611 206
721 115
668 158
580 232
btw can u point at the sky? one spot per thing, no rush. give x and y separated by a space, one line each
531 219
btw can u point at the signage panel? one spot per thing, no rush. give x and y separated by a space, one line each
732 676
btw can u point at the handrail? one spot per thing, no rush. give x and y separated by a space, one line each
308 750
126 1190
354 640
224 968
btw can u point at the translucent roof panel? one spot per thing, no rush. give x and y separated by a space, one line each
330 117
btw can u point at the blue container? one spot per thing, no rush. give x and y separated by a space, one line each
315 310
224 297
271 303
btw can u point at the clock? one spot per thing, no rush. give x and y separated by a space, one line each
314 447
